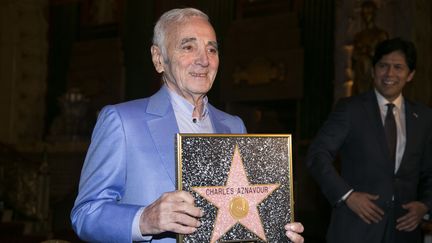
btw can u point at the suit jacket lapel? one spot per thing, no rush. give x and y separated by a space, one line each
411 116
373 114
163 129
218 120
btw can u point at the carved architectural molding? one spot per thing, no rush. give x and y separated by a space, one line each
23 65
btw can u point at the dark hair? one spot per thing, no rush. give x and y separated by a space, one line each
396 44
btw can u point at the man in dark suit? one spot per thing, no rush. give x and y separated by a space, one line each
384 187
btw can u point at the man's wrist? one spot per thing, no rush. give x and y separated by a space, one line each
344 198
136 229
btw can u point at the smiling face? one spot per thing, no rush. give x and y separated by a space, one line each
390 75
192 58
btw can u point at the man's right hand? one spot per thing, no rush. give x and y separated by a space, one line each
362 204
174 212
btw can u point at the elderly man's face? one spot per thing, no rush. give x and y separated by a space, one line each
191 60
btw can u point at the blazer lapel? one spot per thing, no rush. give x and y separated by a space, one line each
218 120
411 115
163 129
373 114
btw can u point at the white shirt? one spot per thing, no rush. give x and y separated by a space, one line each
183 111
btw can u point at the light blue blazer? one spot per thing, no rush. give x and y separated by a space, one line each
131 163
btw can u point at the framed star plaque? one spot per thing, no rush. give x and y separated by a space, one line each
243 183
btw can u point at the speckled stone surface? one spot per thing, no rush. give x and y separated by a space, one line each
206 160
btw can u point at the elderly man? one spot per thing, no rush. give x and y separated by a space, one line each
127 187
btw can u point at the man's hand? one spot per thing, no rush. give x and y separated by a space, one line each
173 211
362 204
293 231
416 211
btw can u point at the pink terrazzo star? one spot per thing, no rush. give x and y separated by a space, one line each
237 201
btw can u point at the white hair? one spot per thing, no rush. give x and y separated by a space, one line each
174 16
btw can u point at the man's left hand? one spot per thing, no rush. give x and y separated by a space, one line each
410 221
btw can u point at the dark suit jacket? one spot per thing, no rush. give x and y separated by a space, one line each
355 132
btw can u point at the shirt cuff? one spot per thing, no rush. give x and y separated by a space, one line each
344 197
136 231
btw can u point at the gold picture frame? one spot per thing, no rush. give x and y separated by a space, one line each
243 183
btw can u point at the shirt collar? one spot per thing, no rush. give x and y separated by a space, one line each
382 102
184 105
